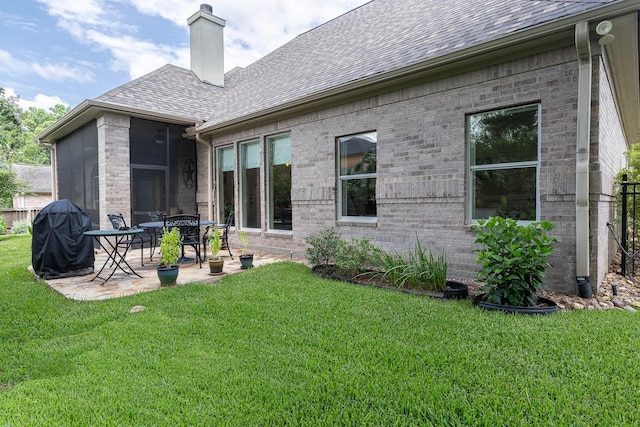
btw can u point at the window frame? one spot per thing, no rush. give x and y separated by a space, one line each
219 179
341 178
269 178
471 185
242 183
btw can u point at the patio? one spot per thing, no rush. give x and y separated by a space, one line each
82 288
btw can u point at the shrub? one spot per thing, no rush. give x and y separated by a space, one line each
420 269
170 243
20 227
215 241
513 259
3 225
358 256
324 246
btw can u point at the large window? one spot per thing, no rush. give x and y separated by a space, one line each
504 163
226 168
280 215
357 176
250 160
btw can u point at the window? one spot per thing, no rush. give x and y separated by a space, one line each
226 197
279 148
250 184
504 163
357 176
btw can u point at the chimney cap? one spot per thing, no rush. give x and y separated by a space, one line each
206 8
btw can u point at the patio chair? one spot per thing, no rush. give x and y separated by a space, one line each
189 226
155 232
119 223
224 236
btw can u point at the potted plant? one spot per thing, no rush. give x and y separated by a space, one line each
216 263
513 259
246 260
170 244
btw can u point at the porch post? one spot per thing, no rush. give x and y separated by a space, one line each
114 180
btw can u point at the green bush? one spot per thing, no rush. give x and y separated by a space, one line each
513 259
170 244
324 246
358 256
3 225
20 227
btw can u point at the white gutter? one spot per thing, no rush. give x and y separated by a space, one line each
583 48
209 175
54 172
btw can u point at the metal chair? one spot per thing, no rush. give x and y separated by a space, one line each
156 232
189 226
224 236
119 223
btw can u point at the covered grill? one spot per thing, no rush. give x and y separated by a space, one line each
58 246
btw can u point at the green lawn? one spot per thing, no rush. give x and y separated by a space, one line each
278 346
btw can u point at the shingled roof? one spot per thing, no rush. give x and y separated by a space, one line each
36 177
169 90
375 39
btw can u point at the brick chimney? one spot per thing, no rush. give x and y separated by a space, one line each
207 45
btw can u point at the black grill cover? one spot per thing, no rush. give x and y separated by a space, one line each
58 246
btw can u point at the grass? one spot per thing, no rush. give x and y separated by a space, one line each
278 346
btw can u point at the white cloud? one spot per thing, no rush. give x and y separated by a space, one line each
90 12
138 57
54 72
62 72
254 27
39 101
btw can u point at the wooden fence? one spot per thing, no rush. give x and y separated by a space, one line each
18 214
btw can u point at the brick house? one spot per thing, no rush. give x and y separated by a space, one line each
37 179
394 120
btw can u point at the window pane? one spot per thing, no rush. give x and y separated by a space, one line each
226 159
226 186
280 148
509 193
359 197
504 136
358 154
251 185
280 183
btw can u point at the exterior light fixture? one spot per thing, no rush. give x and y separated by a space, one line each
604 29
159 138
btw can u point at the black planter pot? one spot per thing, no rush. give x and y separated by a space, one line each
545 306
168 275
456 290
246 261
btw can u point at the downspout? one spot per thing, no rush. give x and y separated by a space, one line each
583 48
54 170
209 175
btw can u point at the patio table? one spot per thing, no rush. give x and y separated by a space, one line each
160 224
113 255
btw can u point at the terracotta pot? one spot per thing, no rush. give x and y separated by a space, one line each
216 265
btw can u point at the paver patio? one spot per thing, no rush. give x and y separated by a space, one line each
121 284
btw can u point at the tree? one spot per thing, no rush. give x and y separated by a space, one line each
34 121
18 131
10 127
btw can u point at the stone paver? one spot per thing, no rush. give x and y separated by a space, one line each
121 284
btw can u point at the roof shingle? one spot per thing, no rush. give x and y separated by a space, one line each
378 37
